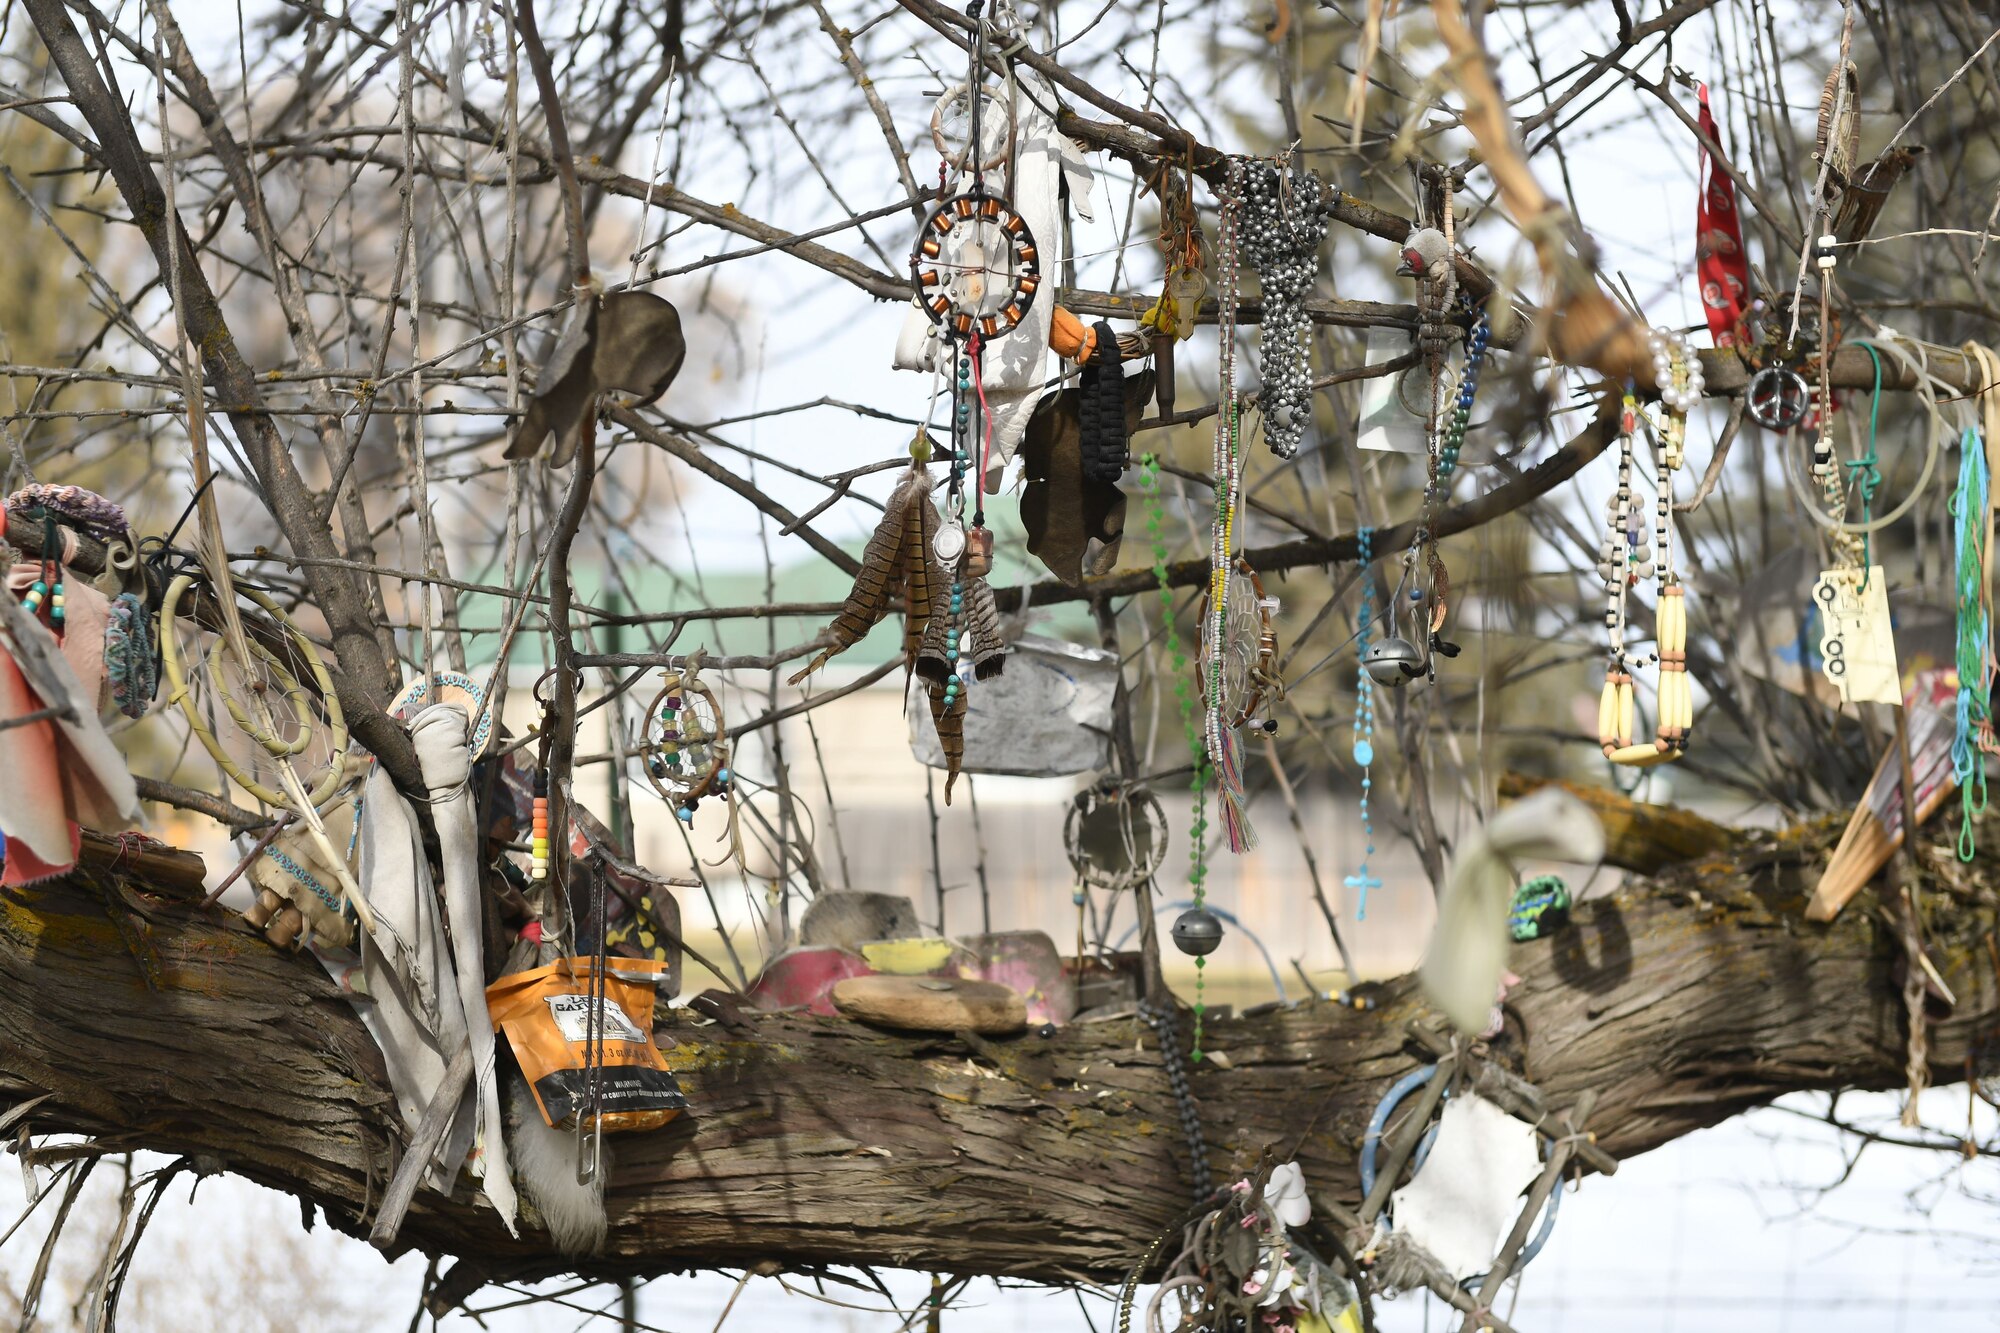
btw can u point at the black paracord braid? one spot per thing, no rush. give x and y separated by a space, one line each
1105 447
1174 1060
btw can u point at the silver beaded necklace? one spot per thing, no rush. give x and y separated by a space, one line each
1283 224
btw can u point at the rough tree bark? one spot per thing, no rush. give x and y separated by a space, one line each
1683 999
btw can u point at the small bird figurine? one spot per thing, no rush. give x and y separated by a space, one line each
1863 194
1425 253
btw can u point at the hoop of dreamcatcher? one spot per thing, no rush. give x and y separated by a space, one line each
952 128
267 675
1249 649
687 745
1116 837
452 687
975 265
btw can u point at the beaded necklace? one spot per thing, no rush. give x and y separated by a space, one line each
1281 214
1198 918
47 589
1627 557
539 834
1364 721
1228 465
1468 387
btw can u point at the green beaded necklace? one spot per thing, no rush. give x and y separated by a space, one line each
1149 481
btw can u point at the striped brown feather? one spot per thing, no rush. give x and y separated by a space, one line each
934 640
921 574
989 650
881 572
950 724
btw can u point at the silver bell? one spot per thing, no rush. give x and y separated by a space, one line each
1197 931
1393 661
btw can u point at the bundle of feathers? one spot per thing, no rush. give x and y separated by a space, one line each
900 563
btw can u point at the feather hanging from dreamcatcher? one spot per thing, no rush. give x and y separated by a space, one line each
886 563
982 618
1228 664
931 657
921 575
948 716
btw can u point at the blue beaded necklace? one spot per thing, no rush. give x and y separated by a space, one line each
1364 722
1468 386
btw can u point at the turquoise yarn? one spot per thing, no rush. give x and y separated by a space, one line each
1975 635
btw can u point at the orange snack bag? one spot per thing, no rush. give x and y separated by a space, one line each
545 1014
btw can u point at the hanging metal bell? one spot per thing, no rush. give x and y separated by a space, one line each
1393 661
1197 931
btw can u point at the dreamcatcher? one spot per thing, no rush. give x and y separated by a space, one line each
1116 838
282 736
977 273
448 687
954 128
687 745
1247 651
289 724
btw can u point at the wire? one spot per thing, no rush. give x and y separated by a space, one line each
1927 386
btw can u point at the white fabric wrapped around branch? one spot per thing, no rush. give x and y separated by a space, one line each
426 992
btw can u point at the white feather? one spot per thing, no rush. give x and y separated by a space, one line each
544 1166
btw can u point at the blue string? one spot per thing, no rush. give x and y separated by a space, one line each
1866 474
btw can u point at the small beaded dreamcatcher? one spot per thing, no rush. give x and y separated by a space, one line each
1116 838
687 746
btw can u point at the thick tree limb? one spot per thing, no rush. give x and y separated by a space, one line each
815 1142
1645 838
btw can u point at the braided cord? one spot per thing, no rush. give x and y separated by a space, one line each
1969 516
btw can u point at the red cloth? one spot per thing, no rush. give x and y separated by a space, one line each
1720 264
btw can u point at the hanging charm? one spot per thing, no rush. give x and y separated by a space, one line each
976 266
686 754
